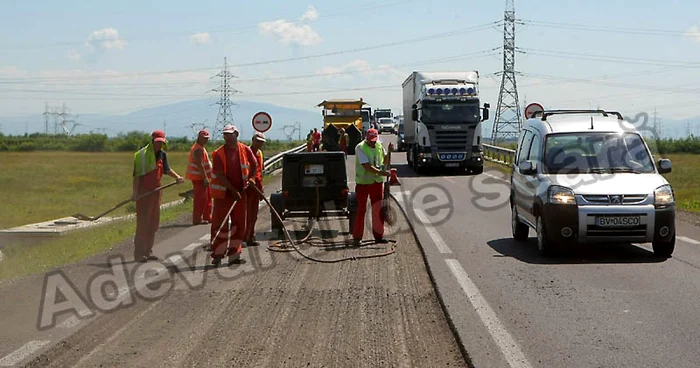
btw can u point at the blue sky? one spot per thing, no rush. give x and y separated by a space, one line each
108 57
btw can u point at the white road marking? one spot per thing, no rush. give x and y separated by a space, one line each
441 245
20 354
451 180
191 247
510 349
496 177
688 240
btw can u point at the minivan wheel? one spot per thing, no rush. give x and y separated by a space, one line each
664 249
544 245
520 231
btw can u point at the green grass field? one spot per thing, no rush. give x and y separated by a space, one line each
42 186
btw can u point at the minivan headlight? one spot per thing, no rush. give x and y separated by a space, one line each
561 195
663 195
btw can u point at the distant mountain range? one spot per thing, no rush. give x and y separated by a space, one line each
177 119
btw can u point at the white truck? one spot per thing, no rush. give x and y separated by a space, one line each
442 118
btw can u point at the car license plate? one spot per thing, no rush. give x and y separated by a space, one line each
313 169
452 165
617 221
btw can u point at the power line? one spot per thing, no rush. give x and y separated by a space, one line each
265 62
605 29
237 30
610 58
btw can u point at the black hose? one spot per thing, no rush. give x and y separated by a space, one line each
281 244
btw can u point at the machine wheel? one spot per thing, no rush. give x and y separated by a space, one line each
664 249
520 230
277 202
352 210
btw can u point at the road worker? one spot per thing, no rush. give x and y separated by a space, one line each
199 172
309 141
371 159
150 163
343 139
316 137
233 164
254 197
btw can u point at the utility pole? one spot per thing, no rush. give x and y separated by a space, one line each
224 118
165 125
508 119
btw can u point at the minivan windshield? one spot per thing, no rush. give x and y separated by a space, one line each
570 153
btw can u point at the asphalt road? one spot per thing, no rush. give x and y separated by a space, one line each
598 306
601 306
276 310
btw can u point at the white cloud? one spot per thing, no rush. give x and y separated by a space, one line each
310 14
74 55
289 32
373 74
694 33
200 38
105 39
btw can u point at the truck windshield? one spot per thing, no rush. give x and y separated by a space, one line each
383 114
574 153
451 112
365 116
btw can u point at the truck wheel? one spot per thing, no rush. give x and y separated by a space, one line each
664 249
352 211
477 170
277 202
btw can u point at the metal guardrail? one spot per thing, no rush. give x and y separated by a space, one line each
275 162
500 155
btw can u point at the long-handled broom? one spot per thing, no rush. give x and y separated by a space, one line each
388 212
81 216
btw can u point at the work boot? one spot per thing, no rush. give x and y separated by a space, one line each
216 261
356 242
381 241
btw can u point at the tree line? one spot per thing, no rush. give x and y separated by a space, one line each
124 142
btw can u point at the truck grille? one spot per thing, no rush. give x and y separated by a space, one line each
447 140
609 199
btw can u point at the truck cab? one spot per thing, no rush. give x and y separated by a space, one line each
443 121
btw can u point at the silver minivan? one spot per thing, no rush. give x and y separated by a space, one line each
584 176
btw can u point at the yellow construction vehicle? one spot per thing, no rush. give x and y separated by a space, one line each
346 114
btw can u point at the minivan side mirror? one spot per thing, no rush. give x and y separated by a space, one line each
527 167
664 166
414 113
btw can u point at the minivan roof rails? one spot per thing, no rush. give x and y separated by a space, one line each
547 113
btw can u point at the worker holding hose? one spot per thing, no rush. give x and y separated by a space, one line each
233 164
254 197
150 163
371 159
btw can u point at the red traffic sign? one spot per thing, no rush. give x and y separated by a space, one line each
532 108
262 122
